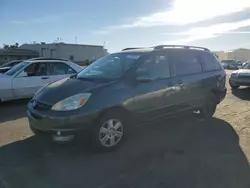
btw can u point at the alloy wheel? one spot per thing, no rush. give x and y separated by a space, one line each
111 132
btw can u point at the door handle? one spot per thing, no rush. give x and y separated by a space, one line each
45 78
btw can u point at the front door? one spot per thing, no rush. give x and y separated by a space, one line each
156 97
30 80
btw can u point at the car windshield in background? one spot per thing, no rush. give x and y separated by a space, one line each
110 67
16 68
5 65
10 64
246 66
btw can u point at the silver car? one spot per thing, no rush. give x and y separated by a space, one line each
240 77
229 64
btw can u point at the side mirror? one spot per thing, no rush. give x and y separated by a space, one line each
143 77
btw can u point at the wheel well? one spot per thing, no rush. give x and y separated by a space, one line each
115 109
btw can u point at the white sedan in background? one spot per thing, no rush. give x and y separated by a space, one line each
27 77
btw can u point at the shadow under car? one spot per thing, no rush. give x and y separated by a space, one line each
180 152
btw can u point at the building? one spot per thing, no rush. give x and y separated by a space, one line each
220 54
16 54
237 54
75 52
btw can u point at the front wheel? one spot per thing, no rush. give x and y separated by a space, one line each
109 131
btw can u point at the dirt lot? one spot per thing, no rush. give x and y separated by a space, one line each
180 152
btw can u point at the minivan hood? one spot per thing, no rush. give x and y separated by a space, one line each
62 89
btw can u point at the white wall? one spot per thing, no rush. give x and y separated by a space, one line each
44 50
79 53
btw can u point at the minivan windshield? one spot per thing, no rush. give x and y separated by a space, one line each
110 67
16 68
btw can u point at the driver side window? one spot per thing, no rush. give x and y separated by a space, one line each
35 69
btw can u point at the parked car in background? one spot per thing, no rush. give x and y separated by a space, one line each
245 63
239 63
240 77
27 77
229 64
136 84
7 66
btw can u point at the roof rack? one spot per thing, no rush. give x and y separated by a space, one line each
160 47
131 48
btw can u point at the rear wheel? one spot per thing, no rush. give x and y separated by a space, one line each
109 131
208 109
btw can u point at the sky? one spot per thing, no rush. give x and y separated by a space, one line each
117 24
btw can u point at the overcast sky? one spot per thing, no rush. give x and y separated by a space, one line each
216 24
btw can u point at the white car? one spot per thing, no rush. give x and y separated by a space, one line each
27 77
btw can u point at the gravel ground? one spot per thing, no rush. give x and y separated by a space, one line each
178 152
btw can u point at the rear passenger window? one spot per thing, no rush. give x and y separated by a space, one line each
186 63
210 62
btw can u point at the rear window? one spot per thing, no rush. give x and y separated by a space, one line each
210 62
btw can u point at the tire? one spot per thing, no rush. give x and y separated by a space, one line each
109 131
233 86
208 109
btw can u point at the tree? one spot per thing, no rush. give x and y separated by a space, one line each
14 46
5 46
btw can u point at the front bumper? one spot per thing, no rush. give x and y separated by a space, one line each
53 122
240 81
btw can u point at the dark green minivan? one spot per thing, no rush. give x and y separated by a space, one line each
135 84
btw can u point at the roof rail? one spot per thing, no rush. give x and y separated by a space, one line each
160 47
131 48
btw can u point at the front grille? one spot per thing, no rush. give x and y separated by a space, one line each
41 106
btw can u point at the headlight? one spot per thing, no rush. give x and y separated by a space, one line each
234 75
71 103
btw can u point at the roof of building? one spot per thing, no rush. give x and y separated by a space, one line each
62 43
18 52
